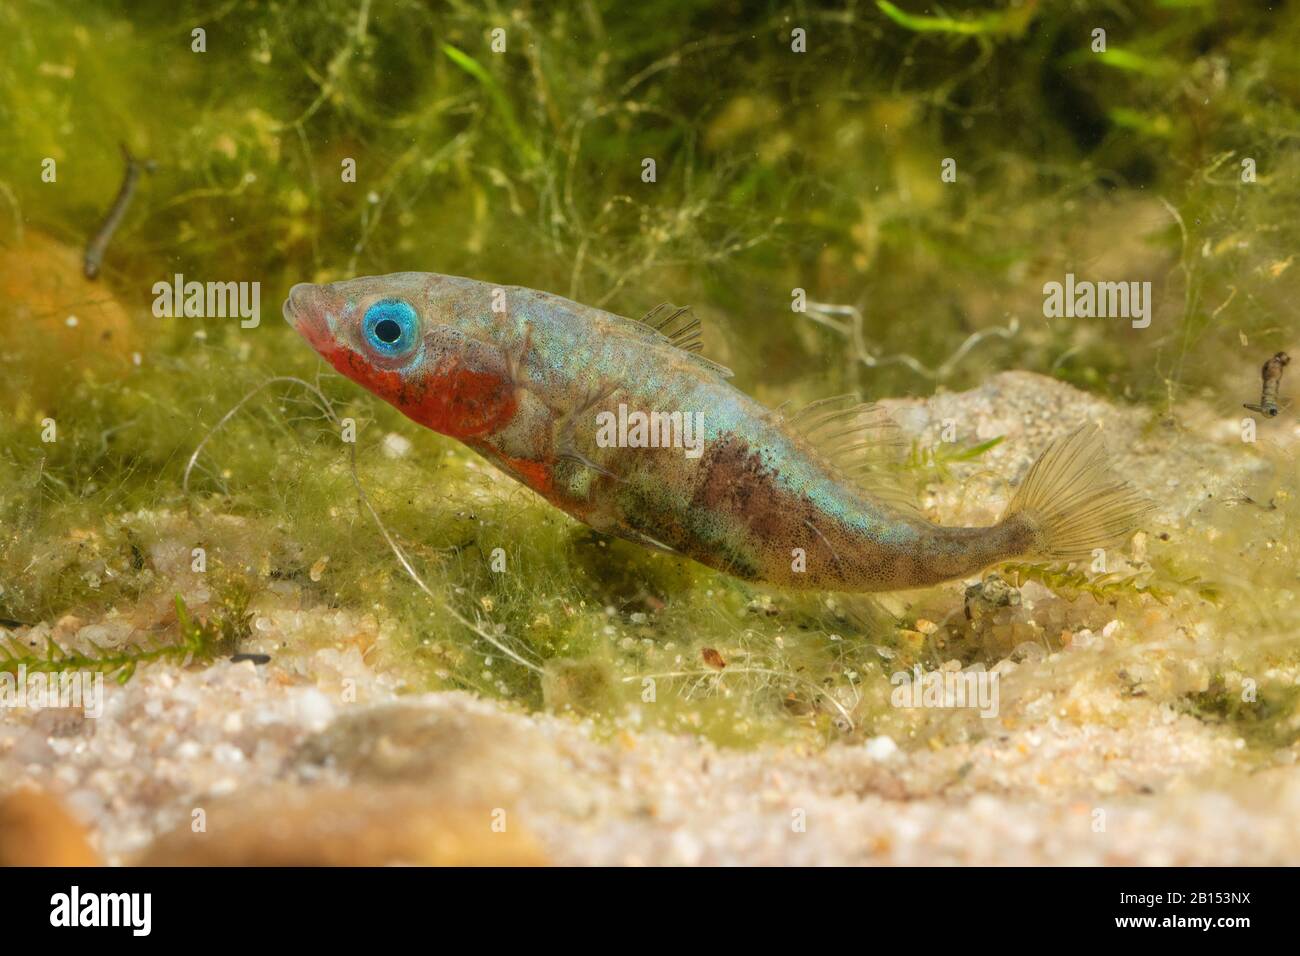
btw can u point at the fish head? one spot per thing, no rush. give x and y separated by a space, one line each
379 320
410 338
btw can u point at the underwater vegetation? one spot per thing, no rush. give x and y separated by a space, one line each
874 209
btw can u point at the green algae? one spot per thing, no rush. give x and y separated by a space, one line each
199 640
776 171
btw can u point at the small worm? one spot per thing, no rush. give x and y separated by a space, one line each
1271 376
255 658
99 242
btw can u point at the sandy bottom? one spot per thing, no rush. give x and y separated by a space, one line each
320 757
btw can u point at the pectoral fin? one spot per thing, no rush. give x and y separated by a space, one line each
566 427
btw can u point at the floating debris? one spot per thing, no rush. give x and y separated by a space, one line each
1271 378
992 592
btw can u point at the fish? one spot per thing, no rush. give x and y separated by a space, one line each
1270 384
807 499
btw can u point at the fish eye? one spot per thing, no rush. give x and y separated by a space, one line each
390 327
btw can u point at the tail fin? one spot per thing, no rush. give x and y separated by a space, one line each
1072 501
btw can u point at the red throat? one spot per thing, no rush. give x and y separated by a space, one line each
450 399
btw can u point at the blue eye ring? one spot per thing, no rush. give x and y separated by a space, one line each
390 327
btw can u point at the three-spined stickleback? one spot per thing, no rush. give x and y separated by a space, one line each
579 404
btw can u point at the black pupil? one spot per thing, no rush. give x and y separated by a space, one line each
388 331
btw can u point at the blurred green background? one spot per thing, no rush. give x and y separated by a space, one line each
776 169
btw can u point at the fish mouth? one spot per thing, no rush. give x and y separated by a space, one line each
304 311
290 309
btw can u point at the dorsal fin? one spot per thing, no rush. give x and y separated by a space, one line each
859 441
679 324
683 329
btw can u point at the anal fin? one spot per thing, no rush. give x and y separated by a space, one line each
631 534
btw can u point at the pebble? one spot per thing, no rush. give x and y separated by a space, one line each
880 748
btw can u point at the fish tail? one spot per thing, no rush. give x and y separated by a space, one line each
1071 503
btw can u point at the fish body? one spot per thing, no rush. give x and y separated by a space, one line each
618 425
